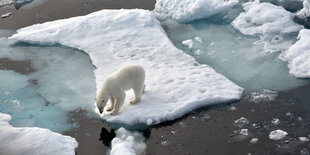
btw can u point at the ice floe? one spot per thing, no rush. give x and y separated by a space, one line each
265 18
298 55
33 140
189 10
175 82
128 143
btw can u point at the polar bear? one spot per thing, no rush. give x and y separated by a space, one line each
115 85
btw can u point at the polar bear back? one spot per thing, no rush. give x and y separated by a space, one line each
128 77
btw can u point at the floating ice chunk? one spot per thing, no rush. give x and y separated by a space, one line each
128 143
305 11
6 15
189 43
10 80
189 10
244 132
99 35
198 39
263 96
277 134
254 141
32 140
241 122
298 55
275 121
265 18
304 139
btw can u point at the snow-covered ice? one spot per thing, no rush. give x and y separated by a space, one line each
265 18
189 10
305 11
277 134
33 140
128 143
175 82
298 55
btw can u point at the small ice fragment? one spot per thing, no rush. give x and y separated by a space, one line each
263 96
197 52
164 142
232 108
277 134
87 134
299 118
173 132
288 114
76 125
304 139
304 151
244 132
193 117
198 39
189 43
254 140
275 121
205 117
182 124
241 122
149 122
6 15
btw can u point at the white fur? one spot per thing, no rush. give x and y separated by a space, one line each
115 85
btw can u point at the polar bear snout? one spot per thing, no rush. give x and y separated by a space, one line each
100 110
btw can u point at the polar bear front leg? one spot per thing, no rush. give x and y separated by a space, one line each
112 100
119 102
138 93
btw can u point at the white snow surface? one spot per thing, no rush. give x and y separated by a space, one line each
175 82
277 134
265 18
305 11
128 143
298 55
189 10
33 140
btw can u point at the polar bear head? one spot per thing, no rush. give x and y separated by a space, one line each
101 100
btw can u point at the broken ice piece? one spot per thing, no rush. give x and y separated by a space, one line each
241 122
254 140
6 15
277 134
275 121
304 139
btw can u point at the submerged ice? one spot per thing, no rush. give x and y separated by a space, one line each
243 59
61 81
